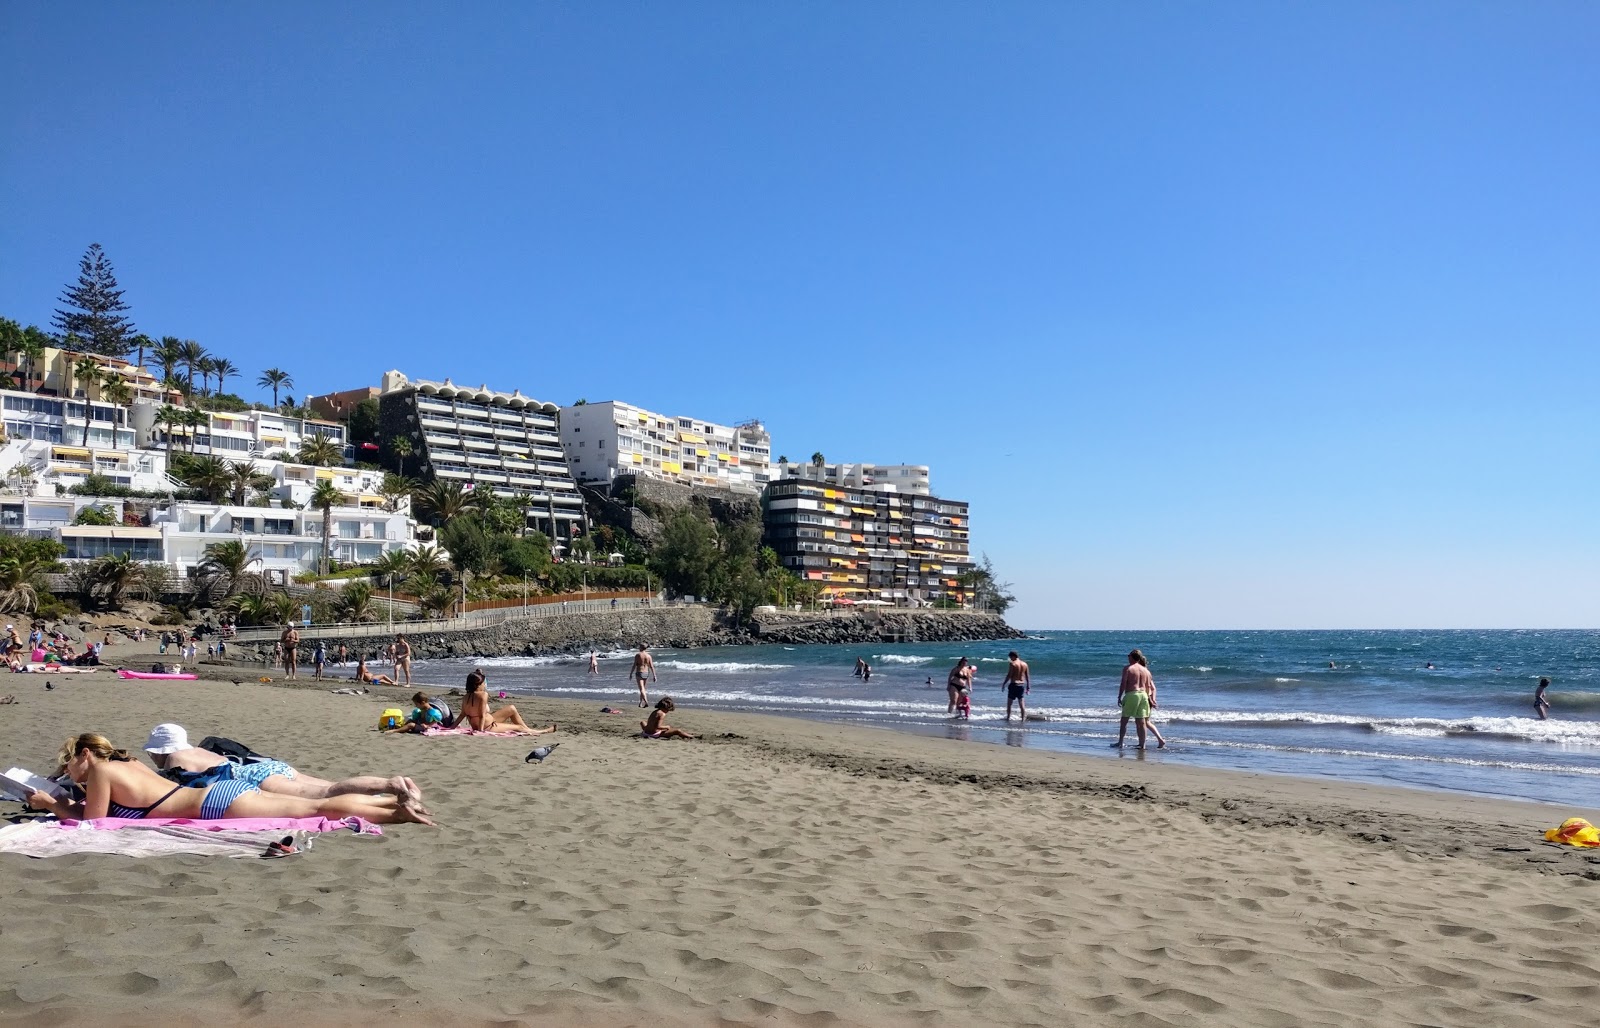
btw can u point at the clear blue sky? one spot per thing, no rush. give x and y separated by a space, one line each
1228 315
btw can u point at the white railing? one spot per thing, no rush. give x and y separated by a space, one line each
473 620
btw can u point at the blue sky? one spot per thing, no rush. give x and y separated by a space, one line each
1248 315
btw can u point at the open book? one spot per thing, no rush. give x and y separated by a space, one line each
18 783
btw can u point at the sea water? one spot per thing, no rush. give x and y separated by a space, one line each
1448 710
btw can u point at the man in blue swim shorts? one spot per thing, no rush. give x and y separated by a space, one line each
169 748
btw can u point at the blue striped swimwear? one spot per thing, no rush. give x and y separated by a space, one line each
220 797
258 773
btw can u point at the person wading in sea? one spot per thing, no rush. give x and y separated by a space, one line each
1017 685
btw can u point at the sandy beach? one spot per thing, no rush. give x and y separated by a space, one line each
781 871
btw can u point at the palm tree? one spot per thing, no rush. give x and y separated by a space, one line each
116 573
401 446
33 346
228 562
143 342
169 354
394 489
169 417
253 609
194 419
87 371
208 367
224 368
115 390
325 497
192 356
274 379
427 561
440 501
817 459
320 451
19 577
212 476
392 568
355 603
245 478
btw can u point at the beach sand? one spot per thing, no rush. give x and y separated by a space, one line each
789 872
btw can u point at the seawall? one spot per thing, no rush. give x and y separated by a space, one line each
673 627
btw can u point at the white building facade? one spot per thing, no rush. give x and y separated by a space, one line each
288 541
604 440
895 478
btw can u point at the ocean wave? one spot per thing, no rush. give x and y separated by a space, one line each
723 668
1203 669
529 661
902 658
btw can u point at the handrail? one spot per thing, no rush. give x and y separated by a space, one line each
473 620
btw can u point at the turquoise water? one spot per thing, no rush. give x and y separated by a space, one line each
1257 701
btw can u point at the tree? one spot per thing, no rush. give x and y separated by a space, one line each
194 419
19 583
169 354
354 604
224 369
392 567
87 371
94 514
114 389
440 502
274 379
245 478
34 341
169 418
469 543
142 342
325 497
207 366
428 560
985 591
394 489
400 446
212 476
320 451
687 553
817 460
93 309
364 422
192 356
228 563
115 574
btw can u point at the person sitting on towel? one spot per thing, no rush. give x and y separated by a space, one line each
117 785
169 749
505 721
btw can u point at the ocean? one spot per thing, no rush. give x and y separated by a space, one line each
1255 701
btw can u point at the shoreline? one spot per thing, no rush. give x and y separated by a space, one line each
791 872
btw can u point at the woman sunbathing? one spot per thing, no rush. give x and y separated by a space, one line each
363 675
505 721
655 726
116 785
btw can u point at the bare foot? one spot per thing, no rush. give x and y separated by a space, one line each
413 812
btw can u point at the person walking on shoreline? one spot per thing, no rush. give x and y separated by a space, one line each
1136 695
1018 684
644 668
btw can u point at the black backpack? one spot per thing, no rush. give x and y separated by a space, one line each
237 752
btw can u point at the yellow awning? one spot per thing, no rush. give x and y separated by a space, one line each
645 418
672 466
69 451
690 437
638 458
324 473
702 453
722 456
863 510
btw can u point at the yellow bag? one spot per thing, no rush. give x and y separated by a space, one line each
391 718
1575 831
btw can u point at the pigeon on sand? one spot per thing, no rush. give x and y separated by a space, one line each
538 755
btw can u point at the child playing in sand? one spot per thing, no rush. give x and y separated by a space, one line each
656 727
1137 697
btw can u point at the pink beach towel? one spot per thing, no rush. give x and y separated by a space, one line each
457 730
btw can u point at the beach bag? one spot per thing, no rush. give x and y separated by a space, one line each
237 752
391 718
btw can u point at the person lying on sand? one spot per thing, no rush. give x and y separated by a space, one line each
363 675
117 785
505 721
655 726
169 749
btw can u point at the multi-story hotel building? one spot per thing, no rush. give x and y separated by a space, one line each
900 478
604 440
236 435
506 442
869 543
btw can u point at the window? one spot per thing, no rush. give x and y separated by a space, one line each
277 526
245 524
601 444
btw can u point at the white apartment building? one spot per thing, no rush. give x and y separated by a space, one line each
287 541
604 440
895 478
235 435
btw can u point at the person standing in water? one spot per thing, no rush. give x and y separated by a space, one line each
1017 685
1136 695
644 668
1540 704
594 663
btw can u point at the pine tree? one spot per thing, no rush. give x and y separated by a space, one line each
93 308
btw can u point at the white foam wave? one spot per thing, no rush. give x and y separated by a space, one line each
529 661
1203 669
728 668
1285 680
901 658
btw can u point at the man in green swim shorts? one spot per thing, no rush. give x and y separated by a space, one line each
1137 697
